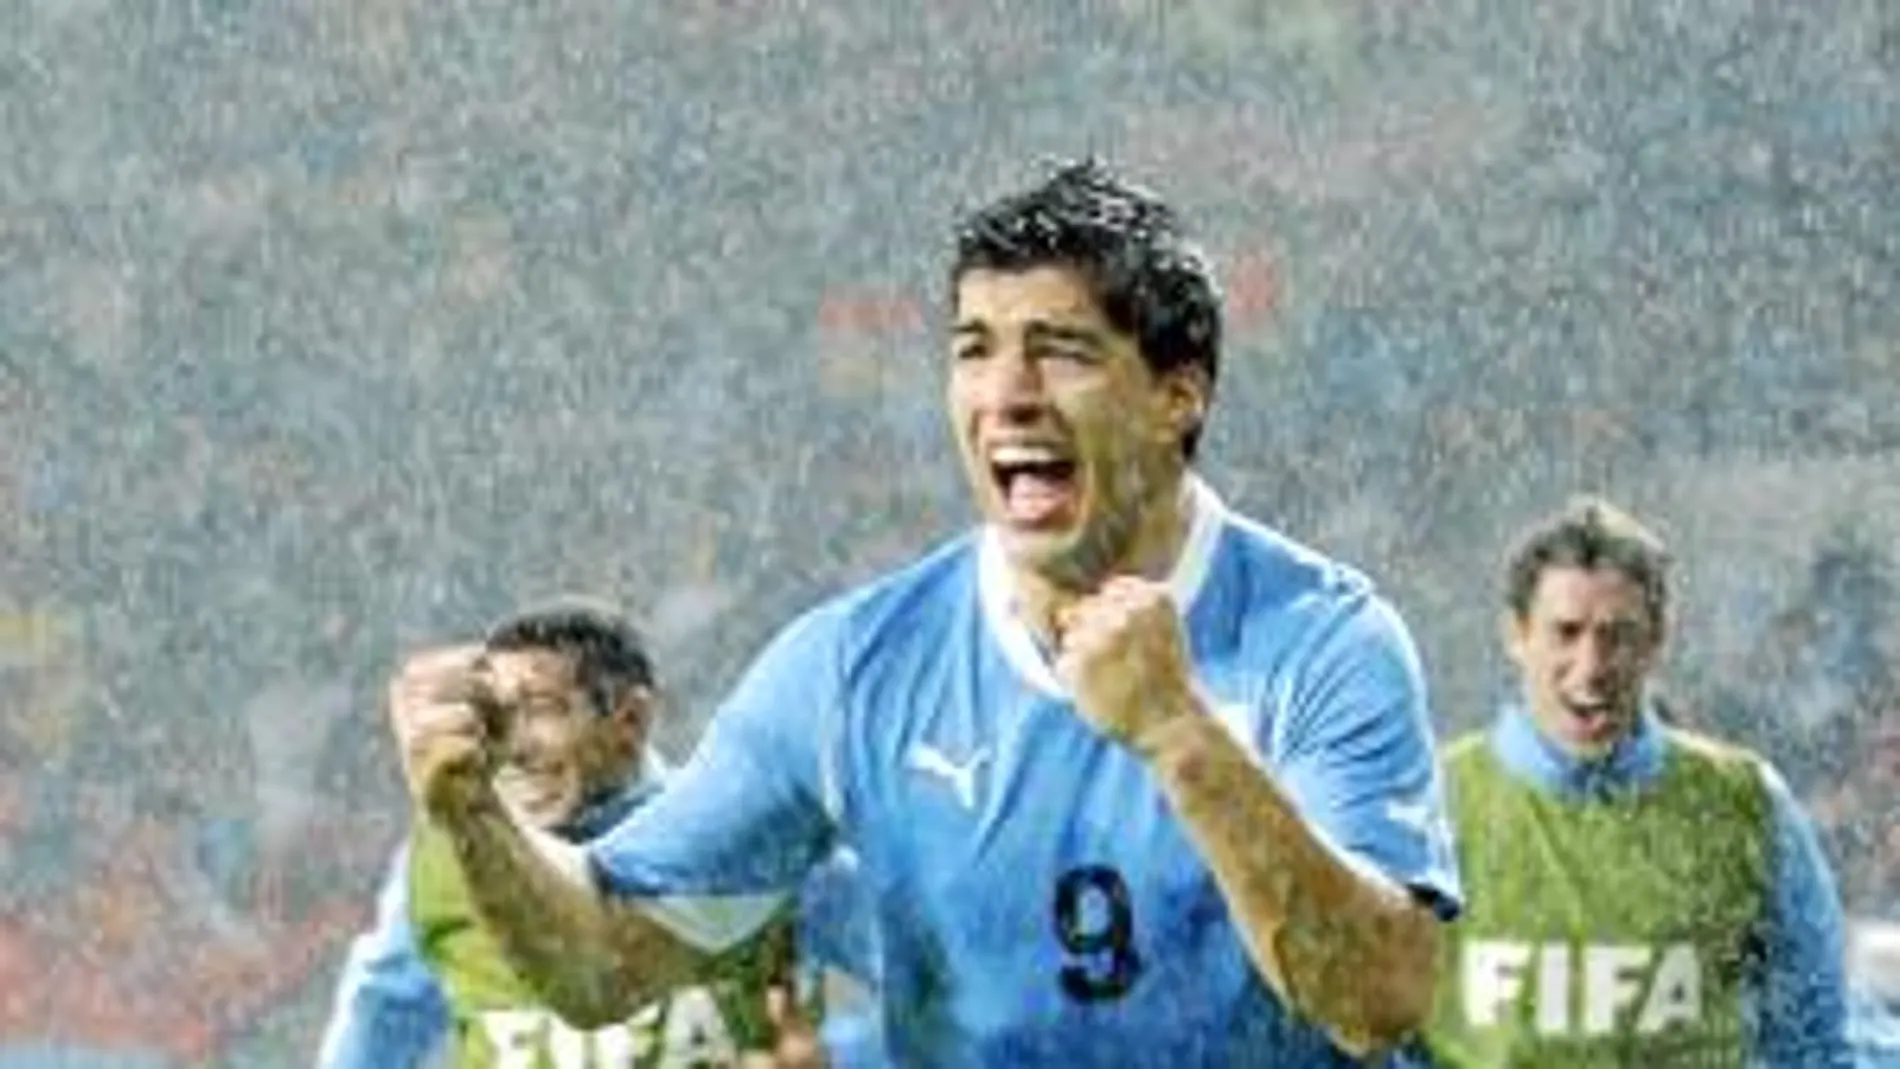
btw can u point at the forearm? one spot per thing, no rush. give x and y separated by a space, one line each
1352 953
592 960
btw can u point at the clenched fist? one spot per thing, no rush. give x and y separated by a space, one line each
444 718
1123 657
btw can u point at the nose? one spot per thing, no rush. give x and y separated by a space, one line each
1593 661
1011 387
1589 655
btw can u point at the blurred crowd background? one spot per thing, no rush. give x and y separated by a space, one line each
331 327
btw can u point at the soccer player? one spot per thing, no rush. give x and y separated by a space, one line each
1639 894
579 696
1130 777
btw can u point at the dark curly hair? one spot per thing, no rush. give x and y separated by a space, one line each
1150 281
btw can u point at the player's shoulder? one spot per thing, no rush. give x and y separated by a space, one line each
1273 566
1734 770
1712 752
1291 593
1466 751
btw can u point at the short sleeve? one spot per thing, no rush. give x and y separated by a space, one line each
1354 748
746 814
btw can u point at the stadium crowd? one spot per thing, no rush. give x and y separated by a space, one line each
310 314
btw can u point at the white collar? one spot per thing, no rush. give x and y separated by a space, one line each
1207 515
654 768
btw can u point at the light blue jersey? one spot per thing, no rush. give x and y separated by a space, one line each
1037 902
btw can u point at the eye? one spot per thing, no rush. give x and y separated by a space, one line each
543 707
1067 352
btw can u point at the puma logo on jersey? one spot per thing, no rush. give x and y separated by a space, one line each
961 778
1589 990
685 1031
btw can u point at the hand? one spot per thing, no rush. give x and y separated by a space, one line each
1124 658
798 1045
442 713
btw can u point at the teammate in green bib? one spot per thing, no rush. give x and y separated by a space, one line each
576 694
1638 895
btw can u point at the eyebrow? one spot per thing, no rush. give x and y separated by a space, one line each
1088 336
1038 330
532 694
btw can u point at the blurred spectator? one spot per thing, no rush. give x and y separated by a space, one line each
324 332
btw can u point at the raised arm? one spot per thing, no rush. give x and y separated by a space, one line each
602 929
1333 863
1353 753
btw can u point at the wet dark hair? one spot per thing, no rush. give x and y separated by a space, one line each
1590 533
609 654
1150 281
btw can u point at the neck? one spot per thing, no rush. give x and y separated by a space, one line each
1590 755
1160 535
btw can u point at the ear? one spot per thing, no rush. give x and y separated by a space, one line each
1186 393
1512 634
634 712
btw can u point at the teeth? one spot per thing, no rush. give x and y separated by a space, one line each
1024 454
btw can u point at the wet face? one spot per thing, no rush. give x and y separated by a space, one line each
1068 439
561 751
1584 649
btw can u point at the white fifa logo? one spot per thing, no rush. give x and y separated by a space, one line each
1588 990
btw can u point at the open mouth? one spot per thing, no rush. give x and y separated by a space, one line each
1037 484
1591 720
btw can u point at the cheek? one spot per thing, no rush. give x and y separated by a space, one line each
960 396
603 747
1559 669
962 426
559 743
1118 439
